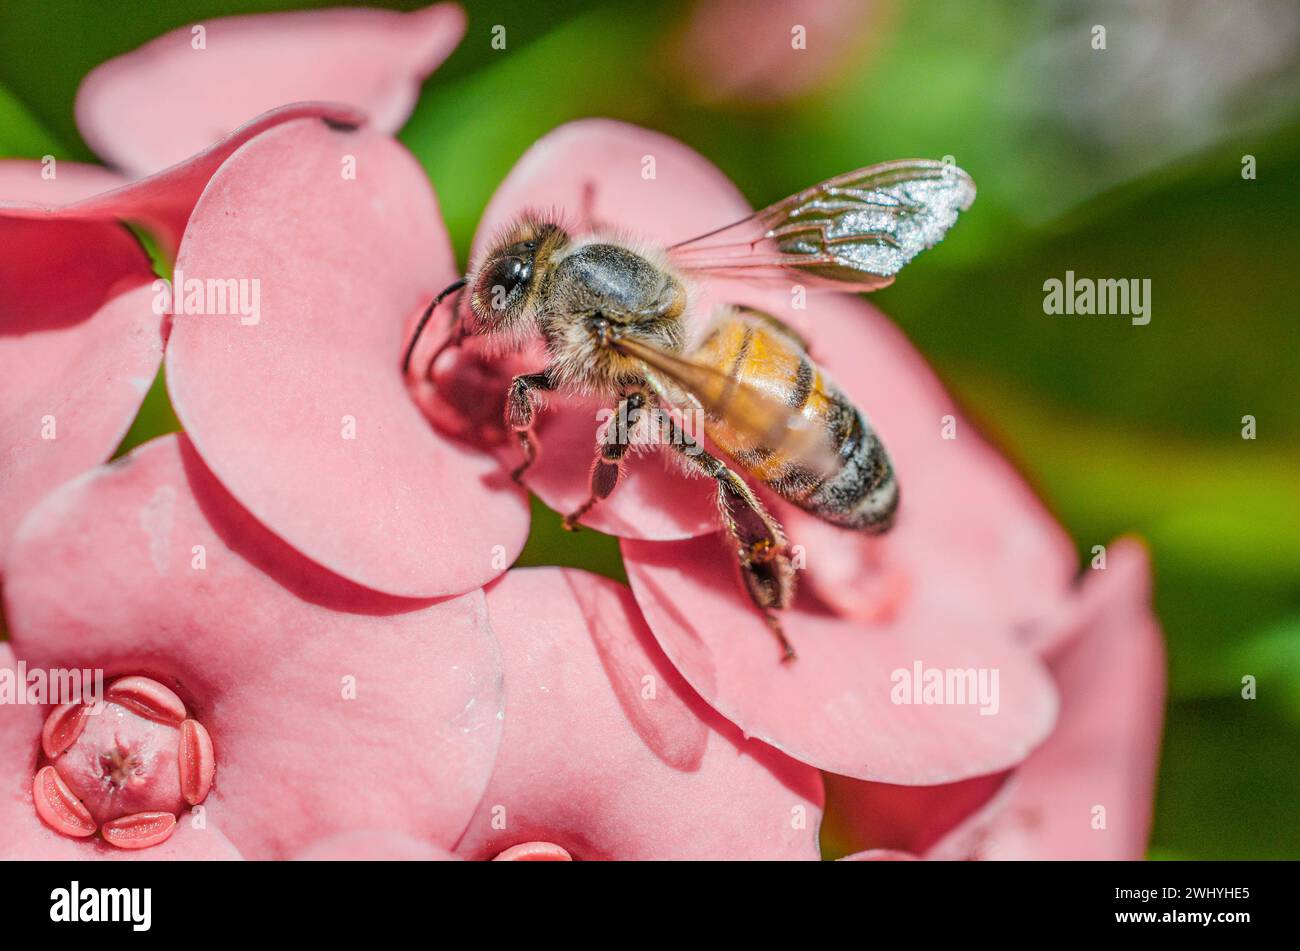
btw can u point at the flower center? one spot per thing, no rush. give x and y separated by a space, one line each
123 763
125 768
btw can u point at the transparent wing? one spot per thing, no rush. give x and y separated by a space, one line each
748 410
851 232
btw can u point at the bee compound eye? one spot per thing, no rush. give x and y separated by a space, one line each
509 273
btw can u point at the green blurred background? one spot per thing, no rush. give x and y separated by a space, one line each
1119 163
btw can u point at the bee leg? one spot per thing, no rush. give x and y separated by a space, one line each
520 412
760 541
607 468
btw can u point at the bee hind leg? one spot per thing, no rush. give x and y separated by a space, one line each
521 411
608 465
760 541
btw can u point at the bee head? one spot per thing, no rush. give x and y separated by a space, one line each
503 289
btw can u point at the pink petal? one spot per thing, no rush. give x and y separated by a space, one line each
687 196
329 707
342 266
608 754
162 201
28 181
832 707
1103 754
744 50
158 104
79 346
375 846
24 836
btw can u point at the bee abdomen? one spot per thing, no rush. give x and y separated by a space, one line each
859 492
862 492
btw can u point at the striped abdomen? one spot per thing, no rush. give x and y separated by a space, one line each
856 489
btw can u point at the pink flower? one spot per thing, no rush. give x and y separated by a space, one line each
973 562
333 710
330 708
82 337
1086 793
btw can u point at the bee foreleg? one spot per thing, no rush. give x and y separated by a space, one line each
760 541
608 466
520 413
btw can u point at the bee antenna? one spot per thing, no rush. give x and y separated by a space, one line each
424 319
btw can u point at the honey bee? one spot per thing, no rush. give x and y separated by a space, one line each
613 318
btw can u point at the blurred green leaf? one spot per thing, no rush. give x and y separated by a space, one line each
1227 787
21 136
1272 657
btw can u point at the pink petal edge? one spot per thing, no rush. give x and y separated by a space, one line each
157 105
833 706
273 406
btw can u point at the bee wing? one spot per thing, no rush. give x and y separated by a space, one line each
750 411
851 232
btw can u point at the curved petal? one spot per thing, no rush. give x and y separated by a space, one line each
177 94
1087 792
300 408
651 188
23 836
375 845
79 345
840 705
330 708
608 754
969 537
57 183
162 201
